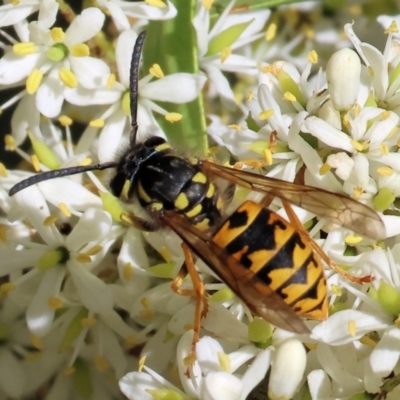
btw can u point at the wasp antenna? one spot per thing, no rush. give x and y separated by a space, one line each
58 173
134 79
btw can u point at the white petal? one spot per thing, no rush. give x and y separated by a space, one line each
256 372
12 375
10 14
84 26
338 372
327 134
222 86
73 194
90 72
207 350
81 96
49 97
386 353
94 294
120 19
112 350
25 117
14 260
110 138
335 330
190 385
134 386
319 384
123 55
176 88
221 386
14 68
221 322
40 315
93 226
35 209
145 11
48 12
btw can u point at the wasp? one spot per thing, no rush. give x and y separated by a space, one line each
270 263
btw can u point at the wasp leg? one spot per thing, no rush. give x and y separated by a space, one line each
139 223
296 222
201 308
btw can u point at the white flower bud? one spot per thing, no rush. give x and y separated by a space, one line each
343 77
287 370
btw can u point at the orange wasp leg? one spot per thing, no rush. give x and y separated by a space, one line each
296 222
201 308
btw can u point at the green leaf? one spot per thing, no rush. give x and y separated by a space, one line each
172 44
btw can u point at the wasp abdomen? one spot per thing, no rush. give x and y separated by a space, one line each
274 251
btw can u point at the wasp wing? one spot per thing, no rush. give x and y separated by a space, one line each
339 208
258 297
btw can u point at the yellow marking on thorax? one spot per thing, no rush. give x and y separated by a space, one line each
157 206
181 202
199 178
142 193
210 191
203 225
163 146
194 211
125 190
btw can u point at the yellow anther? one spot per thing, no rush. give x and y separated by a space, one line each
97 123
80 50
352 328
271 32
392 28
33 81
83 258
325 168
313 57
55 303
225 53
173 117
3 170
111 81
384 148
25 48
289 97
351 240
57 34
156 3
385 171
64 209
50 220
64 120
35 162
68 77
156 71
265 114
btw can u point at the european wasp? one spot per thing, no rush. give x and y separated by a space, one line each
271 264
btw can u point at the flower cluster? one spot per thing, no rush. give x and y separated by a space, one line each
87 307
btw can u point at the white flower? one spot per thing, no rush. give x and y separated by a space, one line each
149 10
185 87
54 60
212 376
215 59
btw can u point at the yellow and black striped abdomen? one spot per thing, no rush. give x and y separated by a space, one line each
274 251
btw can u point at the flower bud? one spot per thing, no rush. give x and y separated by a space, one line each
343 77
287 370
